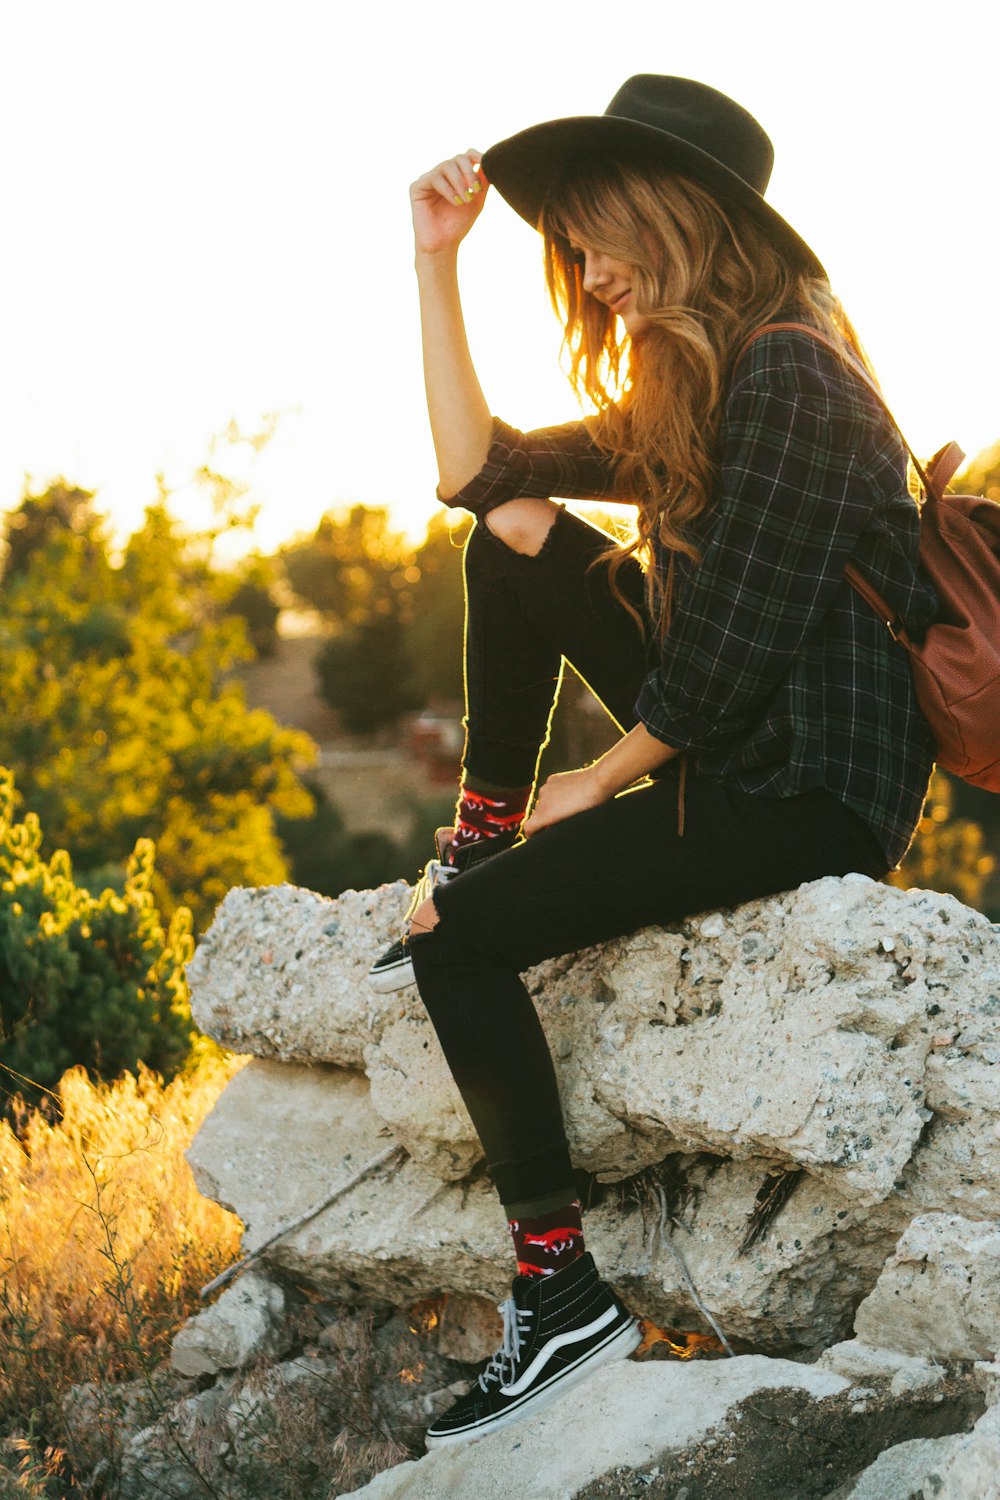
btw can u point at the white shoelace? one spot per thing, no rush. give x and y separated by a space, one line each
501 1366
433 875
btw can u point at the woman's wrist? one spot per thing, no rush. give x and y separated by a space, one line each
435 262
607 778
633 757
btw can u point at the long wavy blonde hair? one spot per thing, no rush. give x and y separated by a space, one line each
705 276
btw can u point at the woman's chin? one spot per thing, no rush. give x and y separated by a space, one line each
635 325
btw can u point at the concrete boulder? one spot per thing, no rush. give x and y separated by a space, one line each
403 1233
837 1038
939 1293
628 1415
247 1322
971 1470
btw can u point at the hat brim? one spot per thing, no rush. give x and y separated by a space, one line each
526 168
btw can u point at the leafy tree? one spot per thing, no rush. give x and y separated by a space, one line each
40 518
949 853
438 612
359 573
84 979
352 567
123 719
366 674
396 614
254 602
982 475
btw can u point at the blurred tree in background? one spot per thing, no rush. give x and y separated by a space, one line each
354 567
121 715
395 613
981 476
438 611
84 979
949 853
40 519
366 673
254 601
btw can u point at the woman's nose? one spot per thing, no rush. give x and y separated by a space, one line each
595 271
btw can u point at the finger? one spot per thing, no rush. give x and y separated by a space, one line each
447 184
445 179
469 167
461 180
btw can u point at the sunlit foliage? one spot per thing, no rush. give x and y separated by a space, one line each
948 853
121 714
104 1241
90 979
982 475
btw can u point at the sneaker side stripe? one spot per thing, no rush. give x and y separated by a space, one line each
553 1346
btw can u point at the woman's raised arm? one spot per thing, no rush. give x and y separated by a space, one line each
446 203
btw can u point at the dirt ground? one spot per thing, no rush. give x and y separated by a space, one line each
783 1445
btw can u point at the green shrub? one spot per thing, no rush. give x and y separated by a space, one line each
84 979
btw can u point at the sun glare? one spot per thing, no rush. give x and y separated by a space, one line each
222 234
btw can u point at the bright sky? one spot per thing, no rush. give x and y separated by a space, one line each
207 218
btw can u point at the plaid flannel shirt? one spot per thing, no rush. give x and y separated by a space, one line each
774 676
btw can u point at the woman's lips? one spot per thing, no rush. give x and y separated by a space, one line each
617 303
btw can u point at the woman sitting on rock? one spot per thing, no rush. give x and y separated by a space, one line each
769 731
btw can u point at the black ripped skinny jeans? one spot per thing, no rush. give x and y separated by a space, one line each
599 875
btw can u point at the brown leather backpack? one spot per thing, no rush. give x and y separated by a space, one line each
956 667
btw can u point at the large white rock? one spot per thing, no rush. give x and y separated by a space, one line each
939 1294
906 1470
627 1415
843 1029
972 1469
283 1136
282 972
795 1029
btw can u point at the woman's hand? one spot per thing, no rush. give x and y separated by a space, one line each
562 796
634 756
447 201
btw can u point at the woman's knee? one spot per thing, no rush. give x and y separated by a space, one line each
523 524
425 918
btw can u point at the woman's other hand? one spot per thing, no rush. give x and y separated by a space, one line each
447 201
562 796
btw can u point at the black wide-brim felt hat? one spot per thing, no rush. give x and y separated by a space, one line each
670 122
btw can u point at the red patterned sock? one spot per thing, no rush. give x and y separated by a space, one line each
484 814
545 1245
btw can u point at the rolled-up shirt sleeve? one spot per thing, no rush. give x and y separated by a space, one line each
563 461
791 507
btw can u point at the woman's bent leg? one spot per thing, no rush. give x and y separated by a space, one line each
599 875
523 615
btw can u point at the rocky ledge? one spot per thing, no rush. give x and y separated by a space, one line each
785 1117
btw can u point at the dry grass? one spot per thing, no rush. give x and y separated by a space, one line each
104 1244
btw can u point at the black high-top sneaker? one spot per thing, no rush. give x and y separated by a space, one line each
556 1330
393 970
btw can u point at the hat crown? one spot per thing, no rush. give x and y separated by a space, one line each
701 116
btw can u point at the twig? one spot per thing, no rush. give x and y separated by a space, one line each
772 1196
396 1152
699 1304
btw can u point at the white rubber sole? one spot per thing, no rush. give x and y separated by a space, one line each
618 1346
398 978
